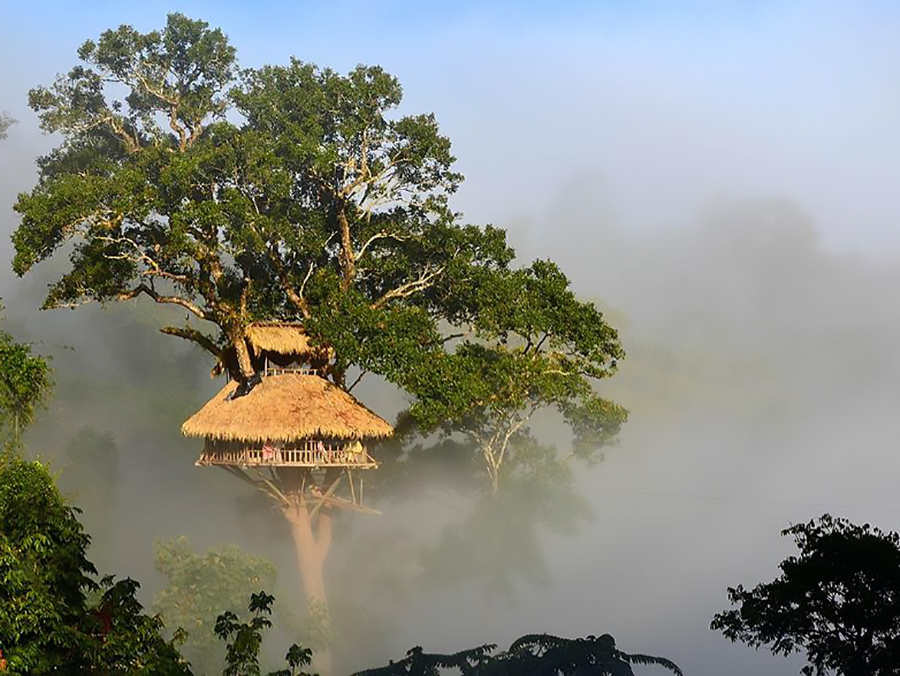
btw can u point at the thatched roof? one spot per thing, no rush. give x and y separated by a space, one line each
283 338
284 408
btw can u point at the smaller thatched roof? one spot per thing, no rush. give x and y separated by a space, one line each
285 408
283 338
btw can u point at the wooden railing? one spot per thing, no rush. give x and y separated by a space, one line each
309 453
271 370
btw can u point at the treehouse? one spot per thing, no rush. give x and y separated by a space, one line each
289 425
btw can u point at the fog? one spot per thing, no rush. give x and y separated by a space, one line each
718 177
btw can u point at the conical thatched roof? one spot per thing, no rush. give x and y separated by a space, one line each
285 408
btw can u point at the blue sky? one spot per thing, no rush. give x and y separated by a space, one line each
668 105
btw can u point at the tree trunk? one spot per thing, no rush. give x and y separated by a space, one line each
242 353
312 541
310 557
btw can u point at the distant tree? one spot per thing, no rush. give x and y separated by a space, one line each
838 601
25 384
202 586
54 617
5 123
90 470
532 655
499 542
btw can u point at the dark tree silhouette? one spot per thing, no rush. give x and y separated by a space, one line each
531 655
838 601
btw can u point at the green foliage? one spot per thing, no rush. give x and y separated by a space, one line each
244 640
25 385
838 601
48 622
200 587
43 569
130 641
533 655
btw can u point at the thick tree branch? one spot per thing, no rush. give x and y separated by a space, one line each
195 336
159 298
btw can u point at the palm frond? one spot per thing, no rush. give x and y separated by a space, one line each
650 659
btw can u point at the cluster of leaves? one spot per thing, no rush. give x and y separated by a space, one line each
53 614
25 384
200 587
532 655
838 601
244 640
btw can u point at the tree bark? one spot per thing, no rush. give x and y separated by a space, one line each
312 541
348 256
243 356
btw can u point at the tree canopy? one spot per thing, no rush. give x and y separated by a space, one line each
838 601
296 193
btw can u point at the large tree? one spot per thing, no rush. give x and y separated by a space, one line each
297 193
837 601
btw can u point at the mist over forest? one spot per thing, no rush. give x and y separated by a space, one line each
762 377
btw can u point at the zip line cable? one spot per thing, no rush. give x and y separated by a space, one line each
721 498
